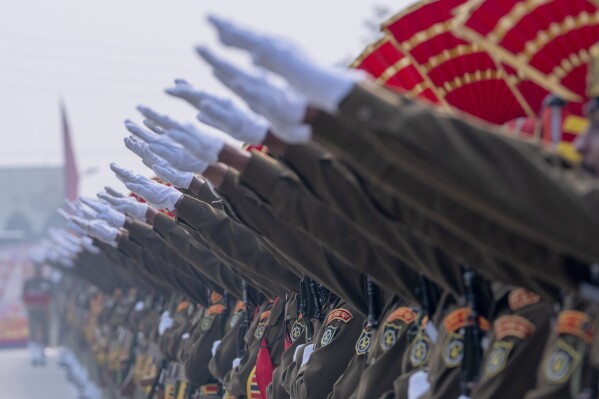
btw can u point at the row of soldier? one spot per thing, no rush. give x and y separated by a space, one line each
368 246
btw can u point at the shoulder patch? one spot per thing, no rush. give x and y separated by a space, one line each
513 326
235 318
575 323
404 314
296 330
328 335
519 298
363 342
560 363
390 336
260 329
420 351
206 322
459 318
340 314
453 351
498 357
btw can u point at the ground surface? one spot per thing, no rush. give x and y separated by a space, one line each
20 380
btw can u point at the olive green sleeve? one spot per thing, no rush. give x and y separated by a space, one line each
309 256
290 201
237 241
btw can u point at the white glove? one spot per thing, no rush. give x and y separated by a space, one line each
307 354
141 149
176 178
223 114
111 191
165 323
215 346
418 384
70 224
177 156
206 146
89 246
79 209
129 206
159 195
98 229
105 212
236 362
323 86
126 175
66 262
281 105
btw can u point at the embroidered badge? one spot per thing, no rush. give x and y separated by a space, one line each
575 323
340 314
363 343
453 350
234 319
402 313
206 323
391 334
328 335
260 330
519 298
560 363
297 330
498 357
513 326
420 351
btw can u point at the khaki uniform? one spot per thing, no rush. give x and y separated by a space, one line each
531 223
308 255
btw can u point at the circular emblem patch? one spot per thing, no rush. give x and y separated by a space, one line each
560 364
391 334
234 319
498 357
206 323
453 351
420 352
328 335
363 343
260 331
296 330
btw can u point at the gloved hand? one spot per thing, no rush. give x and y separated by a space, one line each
129 206
88 245
323 86
160 196
105 212
98 229
206 146
141 149
177 156
70 224
176 178
165 323
111 191
223 114
126 175
281 105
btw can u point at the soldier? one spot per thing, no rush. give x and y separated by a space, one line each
37 294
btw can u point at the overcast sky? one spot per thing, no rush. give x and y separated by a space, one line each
105 57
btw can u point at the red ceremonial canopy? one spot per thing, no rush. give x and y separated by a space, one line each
546 41
461 73
390 67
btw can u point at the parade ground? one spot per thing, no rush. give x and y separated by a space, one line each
20 380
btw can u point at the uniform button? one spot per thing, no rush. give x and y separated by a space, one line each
364 113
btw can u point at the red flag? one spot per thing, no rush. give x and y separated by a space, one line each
70 168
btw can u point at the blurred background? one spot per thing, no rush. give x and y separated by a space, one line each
72 71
